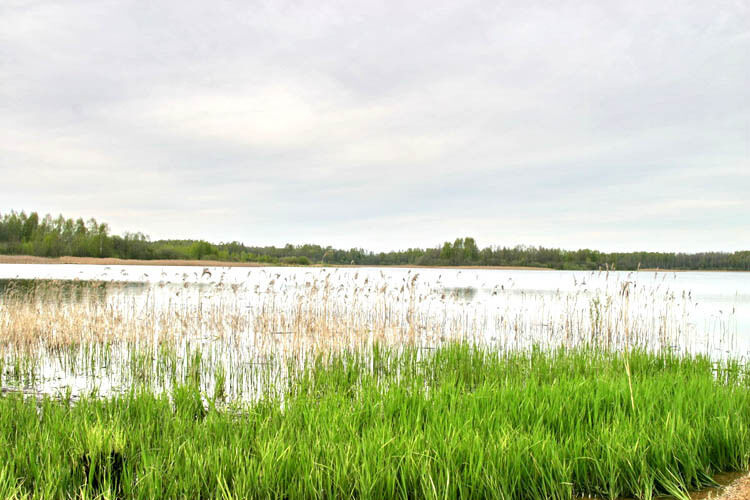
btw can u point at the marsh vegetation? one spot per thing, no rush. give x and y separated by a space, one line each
461 422
363 384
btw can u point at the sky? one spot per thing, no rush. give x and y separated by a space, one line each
383 125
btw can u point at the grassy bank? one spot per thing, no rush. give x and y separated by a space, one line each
459 422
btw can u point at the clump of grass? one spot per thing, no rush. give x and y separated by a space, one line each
459 422
98 458
188 402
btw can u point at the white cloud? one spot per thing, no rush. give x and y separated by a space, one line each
594 124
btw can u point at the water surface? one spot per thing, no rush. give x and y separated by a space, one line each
241 319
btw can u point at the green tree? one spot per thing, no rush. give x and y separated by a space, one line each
201 249
470 251
29 226
446 253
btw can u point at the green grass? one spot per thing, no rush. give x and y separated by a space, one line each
457 423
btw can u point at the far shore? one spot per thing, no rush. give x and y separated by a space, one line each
658 270
111 261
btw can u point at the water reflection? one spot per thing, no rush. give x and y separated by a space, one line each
464 293
61 290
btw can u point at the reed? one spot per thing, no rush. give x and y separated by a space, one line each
109 336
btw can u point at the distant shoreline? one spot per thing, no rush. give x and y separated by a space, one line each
25 236
657 270
111 261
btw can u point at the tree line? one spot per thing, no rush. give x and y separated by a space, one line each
23 234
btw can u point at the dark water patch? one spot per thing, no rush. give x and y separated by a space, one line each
467 293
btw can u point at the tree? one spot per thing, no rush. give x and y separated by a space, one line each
201 249
30 226
447 252
471 251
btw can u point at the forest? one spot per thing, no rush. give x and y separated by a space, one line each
30 234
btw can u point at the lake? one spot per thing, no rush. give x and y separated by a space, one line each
237 319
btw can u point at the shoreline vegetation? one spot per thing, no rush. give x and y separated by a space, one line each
32 235
459 422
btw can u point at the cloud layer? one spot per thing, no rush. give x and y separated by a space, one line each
619 126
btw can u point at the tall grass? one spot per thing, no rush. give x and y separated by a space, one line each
461 422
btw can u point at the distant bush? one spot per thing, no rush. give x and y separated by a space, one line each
296 261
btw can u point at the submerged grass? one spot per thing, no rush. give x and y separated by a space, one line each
461 422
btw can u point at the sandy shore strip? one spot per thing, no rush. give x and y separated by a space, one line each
659 270
738 490
110 261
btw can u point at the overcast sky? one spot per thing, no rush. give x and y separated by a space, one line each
383 125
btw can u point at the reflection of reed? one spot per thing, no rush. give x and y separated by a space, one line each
56 290
138 334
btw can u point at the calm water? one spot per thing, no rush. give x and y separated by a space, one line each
714 298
